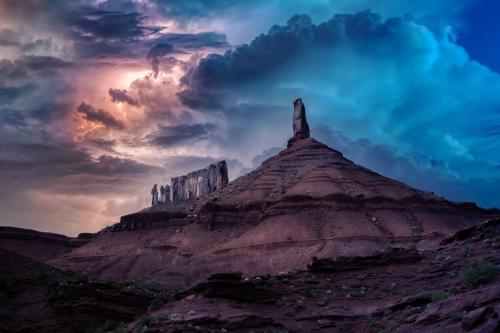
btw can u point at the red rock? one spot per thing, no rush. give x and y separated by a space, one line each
306 201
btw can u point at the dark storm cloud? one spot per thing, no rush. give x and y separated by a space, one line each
269 53
194 41
197 98
43 164
91 24
168 136
107 145
182 43
259 58
14 39
185 10
9 37
421 171
9 94
155 53
38 63
99 115
121 95
258 159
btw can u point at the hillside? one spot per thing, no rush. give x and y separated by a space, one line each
306 201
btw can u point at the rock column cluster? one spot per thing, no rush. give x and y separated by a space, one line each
198 183
193 185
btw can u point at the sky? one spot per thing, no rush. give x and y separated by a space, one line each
100 99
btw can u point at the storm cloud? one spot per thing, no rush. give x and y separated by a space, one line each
389 81
167 136
99 115
121 95
170 86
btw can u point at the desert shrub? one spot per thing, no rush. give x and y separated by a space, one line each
408 292
155 304
477 273
308 291
146 321
107 326
439 296
346 326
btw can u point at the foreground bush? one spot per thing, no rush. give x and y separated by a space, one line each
477 273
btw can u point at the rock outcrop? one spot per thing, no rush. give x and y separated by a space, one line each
39 245
36 297
199 183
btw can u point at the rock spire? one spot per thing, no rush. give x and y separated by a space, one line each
300 126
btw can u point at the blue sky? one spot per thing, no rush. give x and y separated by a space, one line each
101 99
481 33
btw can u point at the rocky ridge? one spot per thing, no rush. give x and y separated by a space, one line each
39 245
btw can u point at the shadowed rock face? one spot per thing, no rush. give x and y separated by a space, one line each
36 297
39 245
198 183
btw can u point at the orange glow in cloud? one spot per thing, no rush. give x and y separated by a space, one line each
126 79
85 128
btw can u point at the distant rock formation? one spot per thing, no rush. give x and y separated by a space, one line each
198 183
40 245
300 126
154 196
165 193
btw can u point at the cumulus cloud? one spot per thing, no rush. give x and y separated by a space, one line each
99 115
390 81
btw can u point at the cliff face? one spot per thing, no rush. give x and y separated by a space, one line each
198 183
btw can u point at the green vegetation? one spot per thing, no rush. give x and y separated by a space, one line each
308 291
408 292
346 326
441 295
477 273
156 304
146 321
107 326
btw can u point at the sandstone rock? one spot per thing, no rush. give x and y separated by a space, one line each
154 196
300 126
40 245
198 183
475 317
